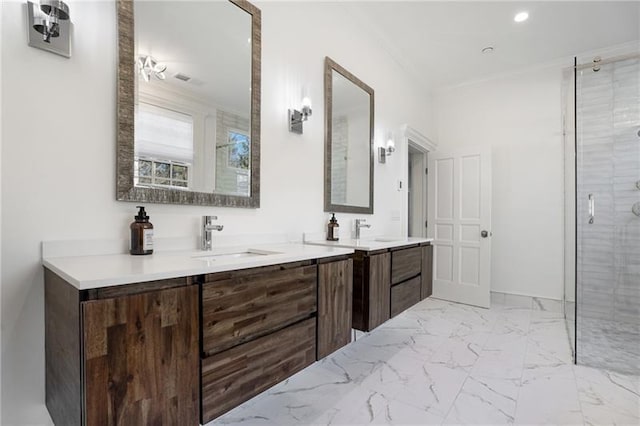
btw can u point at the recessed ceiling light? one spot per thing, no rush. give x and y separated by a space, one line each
488 49
521 17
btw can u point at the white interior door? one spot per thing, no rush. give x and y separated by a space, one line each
459 212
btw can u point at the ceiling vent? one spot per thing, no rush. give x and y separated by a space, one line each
182 77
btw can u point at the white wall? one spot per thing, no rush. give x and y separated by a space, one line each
58 156
519 117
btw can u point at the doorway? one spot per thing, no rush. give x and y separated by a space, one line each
417 191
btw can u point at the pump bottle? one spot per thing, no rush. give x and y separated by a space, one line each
333 229
141 234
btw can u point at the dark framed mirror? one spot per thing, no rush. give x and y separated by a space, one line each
348 161
189 102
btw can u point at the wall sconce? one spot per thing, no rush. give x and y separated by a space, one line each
383 152
148 66
49 26
296 118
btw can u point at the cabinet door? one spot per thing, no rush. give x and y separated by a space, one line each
141 359
427 272
335 282
379 282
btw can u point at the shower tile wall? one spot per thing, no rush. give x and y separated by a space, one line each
608 252
339 163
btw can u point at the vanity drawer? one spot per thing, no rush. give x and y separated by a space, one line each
239 308
234 376
405 264
405 295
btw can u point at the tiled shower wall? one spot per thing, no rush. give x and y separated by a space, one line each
608 251
339 163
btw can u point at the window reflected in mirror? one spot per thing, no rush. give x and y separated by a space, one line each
232 168
164 148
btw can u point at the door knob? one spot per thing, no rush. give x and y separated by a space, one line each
484 234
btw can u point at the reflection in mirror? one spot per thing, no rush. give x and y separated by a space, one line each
193 110
195 102
349 142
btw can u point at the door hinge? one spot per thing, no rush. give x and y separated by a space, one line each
426 223
426 171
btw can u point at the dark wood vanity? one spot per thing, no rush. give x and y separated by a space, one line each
260 326
389 281
122 355
186 350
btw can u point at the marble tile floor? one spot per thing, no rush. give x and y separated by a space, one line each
609 344
446 363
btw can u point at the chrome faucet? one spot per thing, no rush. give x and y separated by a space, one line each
360 224
207 227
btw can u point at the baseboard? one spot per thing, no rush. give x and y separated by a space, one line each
526 295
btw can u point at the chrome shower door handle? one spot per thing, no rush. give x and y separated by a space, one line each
592 208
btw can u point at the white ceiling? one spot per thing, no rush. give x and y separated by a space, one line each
440 42
207 40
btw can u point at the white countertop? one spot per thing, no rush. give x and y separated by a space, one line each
371 243
88 272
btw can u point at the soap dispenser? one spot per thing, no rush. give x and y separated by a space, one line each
141 234
333 229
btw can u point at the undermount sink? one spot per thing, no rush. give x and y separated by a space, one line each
387 240
239 254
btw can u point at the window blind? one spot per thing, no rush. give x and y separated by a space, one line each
164 134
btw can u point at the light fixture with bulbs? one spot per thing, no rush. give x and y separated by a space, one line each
148 67
521 16
49 26
296 118
384 152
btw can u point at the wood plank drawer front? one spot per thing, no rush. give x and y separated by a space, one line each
141 359
241 308
379 289
240 373
405 264
335 282
427 272
405 295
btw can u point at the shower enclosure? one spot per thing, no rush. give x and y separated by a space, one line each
602 212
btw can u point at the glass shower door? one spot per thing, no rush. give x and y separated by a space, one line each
569 300
607 229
